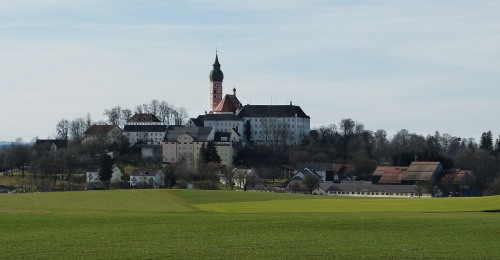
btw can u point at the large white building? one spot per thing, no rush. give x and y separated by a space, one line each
275 124
262 124
144 129
219 122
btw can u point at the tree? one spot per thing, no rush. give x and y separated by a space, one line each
88 121
62 129
154 107
363 166
248 130
310 181
419 187
483 165
209 153
165 112
126 115
114 115
138 109
497 145
180 116
347 127
486 142
207 175
77 129
401 140
19 156
105 169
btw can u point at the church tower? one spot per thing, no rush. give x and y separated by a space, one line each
216 76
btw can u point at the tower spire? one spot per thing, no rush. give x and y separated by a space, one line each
216 77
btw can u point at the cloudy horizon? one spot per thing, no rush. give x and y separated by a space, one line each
424 66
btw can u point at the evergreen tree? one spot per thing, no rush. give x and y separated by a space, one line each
486 141
497 145
105 169
248 130
209 153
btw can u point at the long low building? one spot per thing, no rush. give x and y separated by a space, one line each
367 189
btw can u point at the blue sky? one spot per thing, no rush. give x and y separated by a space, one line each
420 65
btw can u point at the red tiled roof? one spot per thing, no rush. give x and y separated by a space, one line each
381 170
454 176
390 174
229 104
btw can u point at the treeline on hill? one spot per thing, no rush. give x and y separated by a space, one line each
74 130
63 169
347 142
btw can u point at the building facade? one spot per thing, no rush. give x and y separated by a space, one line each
275 124
144 129
103 133
182 144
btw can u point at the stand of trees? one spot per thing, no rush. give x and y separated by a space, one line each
346 142
350 143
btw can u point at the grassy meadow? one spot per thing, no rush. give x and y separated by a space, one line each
194 224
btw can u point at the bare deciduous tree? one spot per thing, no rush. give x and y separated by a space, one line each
62 129
77 129
114 115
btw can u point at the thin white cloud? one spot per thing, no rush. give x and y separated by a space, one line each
375 61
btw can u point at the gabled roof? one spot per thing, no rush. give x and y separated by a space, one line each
317 166
60 143
143 118
392 178
422 171
455 176
145 128
197 122
390 174
228 104
305 171
145 172
201 134
272 111
217 117
100 129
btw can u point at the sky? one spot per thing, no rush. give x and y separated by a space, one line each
424 66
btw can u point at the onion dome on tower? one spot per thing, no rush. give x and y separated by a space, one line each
216 74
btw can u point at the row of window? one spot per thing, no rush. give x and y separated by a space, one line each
223 124
146 134
270 132
371 193
275 119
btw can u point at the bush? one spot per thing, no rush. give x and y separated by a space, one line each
181 184
205 185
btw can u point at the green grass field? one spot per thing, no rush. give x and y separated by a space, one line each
197 224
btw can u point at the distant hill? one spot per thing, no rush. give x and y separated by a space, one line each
4 144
